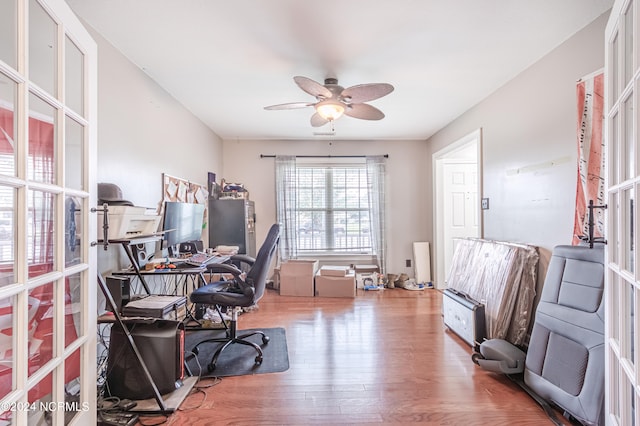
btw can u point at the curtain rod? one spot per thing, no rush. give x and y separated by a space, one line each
322 156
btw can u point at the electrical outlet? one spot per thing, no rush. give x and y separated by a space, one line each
407 263
485 204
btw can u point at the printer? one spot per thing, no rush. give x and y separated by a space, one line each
125 220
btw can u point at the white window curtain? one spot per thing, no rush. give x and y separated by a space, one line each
376 167
286 204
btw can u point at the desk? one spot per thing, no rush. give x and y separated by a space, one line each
126 245
162 405
184 274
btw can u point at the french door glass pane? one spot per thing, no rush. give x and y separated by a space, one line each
42 126
74 77
627 161
615 387
40 394
7 363
615 86
628 44
41 321
7 125
72 386
72 231
614 285
631 403
40 232
626 394
627 222
8 38
42 48
614 149
7 235
629 344
73 144
72 300
614 244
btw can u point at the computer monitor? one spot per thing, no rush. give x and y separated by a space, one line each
182 222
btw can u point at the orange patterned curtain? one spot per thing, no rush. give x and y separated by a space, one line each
590 104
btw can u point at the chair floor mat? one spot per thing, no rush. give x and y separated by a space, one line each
237 359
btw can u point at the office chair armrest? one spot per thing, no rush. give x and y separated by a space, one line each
223 268
243 258
249 291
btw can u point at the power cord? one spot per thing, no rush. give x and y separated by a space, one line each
113 411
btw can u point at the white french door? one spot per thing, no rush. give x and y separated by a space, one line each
48 71
622 289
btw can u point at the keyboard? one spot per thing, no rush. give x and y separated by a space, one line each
200 259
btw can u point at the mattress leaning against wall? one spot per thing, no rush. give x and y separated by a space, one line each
502 276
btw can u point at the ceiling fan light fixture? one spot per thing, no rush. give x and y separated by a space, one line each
330 109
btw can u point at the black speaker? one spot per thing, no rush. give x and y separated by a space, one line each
161 346
141 254
120 289
193 247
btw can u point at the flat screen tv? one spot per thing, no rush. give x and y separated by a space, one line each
182 223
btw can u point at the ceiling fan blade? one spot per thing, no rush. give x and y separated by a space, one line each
365 92
364 112
290 105
312 87
317 120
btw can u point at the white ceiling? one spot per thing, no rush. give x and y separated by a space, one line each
226 60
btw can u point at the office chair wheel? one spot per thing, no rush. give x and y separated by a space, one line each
475 357
265 339
258 360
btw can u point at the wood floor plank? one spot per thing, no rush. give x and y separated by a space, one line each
384 357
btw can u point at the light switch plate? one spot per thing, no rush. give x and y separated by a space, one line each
485 204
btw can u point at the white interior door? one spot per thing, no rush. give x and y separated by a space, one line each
460 205
457 185
48 311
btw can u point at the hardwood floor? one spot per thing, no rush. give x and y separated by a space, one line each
384 357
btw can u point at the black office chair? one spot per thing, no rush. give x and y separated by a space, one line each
239 292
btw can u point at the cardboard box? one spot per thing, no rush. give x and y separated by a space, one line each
296 277
366 269
327 286
333 271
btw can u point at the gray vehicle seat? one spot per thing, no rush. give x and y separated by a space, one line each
564 362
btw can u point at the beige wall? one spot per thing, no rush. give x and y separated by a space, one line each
528 124
407 178
529 145
142 133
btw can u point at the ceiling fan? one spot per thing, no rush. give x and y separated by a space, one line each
333 100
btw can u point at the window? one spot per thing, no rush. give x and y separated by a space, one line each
334 207
332 212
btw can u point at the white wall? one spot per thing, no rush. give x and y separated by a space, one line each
529 125
407 178
142 133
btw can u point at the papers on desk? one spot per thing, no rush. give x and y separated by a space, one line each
201 259
227 250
